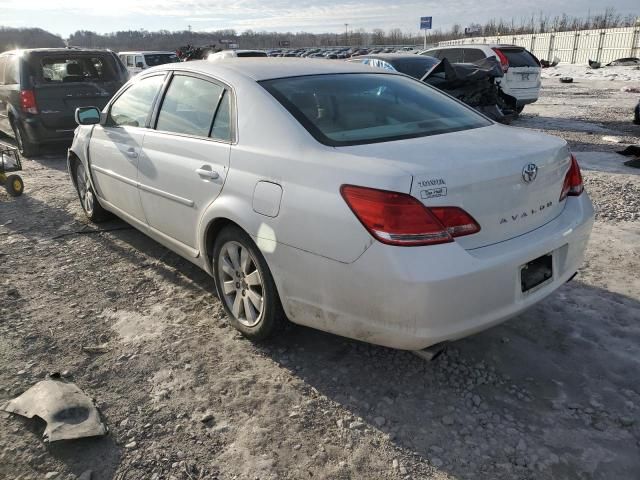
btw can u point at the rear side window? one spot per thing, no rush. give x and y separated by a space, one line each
519 57
473 55
11 71
189 106
77 69
454 55
133 107
354 109
154 59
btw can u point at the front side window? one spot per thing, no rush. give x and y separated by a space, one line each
353 109
189 106
133 107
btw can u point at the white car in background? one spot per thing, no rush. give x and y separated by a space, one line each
521 68
214 57
360 202
136 62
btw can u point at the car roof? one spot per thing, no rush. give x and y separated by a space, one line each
146 52
266 68
60 50
467 45
390 56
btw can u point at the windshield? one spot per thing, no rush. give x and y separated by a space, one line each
354 109
154 59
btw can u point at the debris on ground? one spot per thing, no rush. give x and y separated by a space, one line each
624 62
566 79
104 348
593 64
68 412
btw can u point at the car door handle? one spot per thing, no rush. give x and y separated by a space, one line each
132 153
210 174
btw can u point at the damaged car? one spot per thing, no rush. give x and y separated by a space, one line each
472 83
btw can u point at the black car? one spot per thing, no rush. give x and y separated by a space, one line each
40 90
471 83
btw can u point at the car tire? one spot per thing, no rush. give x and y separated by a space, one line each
88 200
25 146
519 109
245 285
15 185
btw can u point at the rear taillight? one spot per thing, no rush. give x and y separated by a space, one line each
28 101
504 61
399 219
572 186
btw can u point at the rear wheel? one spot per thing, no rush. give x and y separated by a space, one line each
25 146
15 185
245 285
90 204
520 109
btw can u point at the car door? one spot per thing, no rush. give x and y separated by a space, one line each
186 156
114 150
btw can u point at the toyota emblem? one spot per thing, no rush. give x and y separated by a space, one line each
529 172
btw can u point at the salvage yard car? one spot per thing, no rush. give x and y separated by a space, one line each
139 61
353 200
41 88
522 71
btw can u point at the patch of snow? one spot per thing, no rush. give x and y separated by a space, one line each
584 72
605 162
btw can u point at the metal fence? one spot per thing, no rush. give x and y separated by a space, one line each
579 46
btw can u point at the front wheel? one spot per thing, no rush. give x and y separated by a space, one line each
90 204
15 185
245 285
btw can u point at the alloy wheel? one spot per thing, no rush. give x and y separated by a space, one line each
84 189
241 282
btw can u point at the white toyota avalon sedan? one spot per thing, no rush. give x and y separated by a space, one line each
359 202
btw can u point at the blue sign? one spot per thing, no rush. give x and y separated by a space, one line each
425 23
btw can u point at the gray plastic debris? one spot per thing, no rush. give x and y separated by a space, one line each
69 413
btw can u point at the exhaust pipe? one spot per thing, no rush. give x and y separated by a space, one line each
431 353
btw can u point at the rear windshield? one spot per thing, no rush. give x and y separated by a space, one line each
154 59
77 69
519 57
251 54
354 109
416 66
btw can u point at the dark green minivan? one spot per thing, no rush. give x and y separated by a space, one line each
41 88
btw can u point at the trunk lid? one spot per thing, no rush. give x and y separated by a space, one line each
481 171
57 103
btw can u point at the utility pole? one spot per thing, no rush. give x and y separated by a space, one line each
346 34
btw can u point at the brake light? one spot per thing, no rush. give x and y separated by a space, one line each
28 101
573 185
504 61
399 219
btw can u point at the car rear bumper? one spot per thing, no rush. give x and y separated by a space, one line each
411 298
523 96
38 133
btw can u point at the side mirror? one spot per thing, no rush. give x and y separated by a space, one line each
139 65
87 115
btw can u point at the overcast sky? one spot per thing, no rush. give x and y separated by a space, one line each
66 16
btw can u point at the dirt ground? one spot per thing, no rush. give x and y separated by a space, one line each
551 394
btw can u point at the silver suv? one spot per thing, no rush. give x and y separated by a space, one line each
521 81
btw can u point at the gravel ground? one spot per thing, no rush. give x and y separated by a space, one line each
551 394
